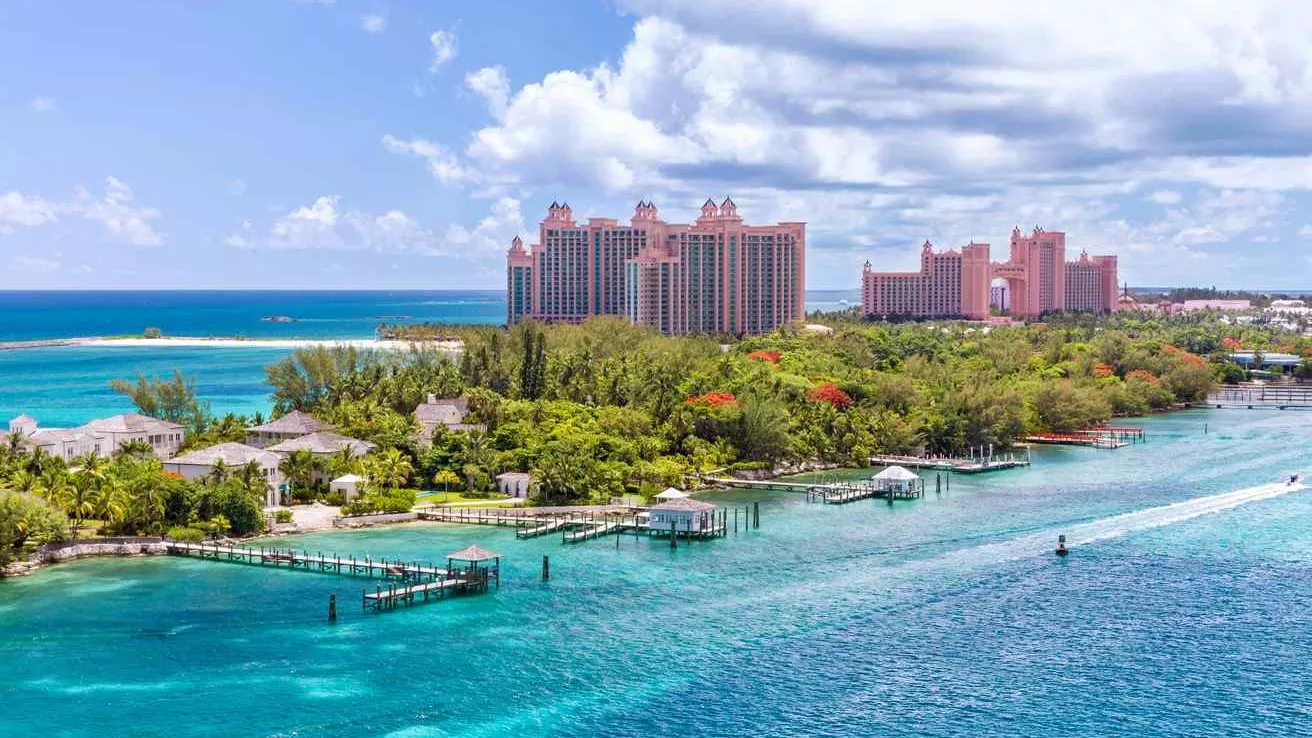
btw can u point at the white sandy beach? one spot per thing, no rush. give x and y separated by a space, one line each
200 341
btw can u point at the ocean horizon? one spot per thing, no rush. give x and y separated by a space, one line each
69 385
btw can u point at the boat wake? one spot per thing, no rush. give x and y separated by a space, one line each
1117 525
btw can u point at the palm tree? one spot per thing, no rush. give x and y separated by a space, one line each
299 467
136 447
149 494
218 473
89 476
252 479
344 461
24 481
109 501
392 468
39 461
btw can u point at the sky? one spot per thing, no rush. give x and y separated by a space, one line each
375 144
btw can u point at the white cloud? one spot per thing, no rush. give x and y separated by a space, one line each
17 209
1305 231
493 86
494 232
118 213
325 226
43 104
116 210
36 264
444 49
372 23
443 165
1165 197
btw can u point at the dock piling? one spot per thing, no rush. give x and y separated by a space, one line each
332 608
546 568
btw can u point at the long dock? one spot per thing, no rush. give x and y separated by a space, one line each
828 492
386 599
1278 397
305 561
970 465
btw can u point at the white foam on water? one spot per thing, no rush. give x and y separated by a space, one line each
1115 526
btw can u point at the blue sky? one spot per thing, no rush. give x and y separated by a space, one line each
381 143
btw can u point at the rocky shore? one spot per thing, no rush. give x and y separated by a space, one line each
59 553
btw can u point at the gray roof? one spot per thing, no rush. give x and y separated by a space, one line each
132 423
516 476
294 423
323 442
686 504
232 454
447 412
47 436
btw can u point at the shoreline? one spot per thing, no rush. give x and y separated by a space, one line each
385 344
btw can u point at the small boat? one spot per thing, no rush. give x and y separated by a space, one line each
1061 546
278 319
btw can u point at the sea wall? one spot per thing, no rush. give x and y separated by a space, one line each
84 549
364 521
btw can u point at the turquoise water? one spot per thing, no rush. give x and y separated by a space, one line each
943 617
70 385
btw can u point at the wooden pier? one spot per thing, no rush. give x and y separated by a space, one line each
467 571
313 562
831 492
1262 396
986 462
1094 436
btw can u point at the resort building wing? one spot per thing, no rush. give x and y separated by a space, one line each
1036 279
715 275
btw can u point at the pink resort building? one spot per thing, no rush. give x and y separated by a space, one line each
1036 279
716 275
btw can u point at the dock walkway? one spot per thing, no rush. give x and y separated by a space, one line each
305 561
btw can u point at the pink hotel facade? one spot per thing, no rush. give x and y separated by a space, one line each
957 283
716 275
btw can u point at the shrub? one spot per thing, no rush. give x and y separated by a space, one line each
186 534
771 357
714 399
336 499
830 393
152 332
282 516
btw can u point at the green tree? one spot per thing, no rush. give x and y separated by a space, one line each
172 400
445 478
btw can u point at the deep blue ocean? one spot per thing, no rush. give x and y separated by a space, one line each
1182 612
69 385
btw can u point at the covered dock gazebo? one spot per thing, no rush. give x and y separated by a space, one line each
899 481
671 493
476 565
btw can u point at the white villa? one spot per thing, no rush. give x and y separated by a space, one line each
164 437
100 437
684 515
197 464
322 445
292 425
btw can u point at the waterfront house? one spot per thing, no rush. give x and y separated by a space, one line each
515 484
347 485
234 456
322 445
292 425
163 437
449 413
684 514
66 443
